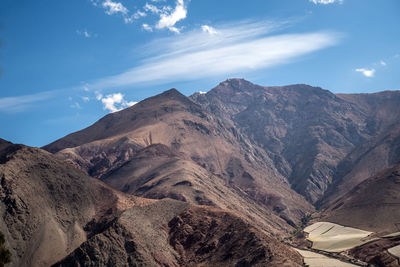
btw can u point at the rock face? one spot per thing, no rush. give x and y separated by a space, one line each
172 233
46 204
313 136
376 154
306 130
173 147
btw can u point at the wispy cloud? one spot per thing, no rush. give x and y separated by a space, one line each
114 102
209 29
84 33
76 105
21 103
366 72
326 2
156 10
139 14
147 27
237 48
383 63
115 8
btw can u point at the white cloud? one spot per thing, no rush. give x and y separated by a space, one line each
152 8
168 20
99 96
94 2
85 98
84 33
209 29
202 92
114 7
326 2
366 72
236 49
114 102
76 106
139 14
147 27
383 63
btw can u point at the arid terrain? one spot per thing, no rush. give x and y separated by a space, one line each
231 177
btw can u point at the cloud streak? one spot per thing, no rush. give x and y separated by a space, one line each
236 49
326 2
21 103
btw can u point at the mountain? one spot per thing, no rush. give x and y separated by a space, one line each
315 138
376 154
53 213
263 157
46 205
372 205
169 146
305 129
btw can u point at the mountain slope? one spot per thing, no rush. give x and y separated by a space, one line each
193 141
306 130
377 153
171 233
52 212
372 205
46 205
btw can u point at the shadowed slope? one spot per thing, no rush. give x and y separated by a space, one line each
372 205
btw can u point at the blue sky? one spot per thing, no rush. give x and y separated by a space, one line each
65 64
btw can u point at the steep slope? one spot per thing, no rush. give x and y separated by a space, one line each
379 152
372 205
172 233
306 130
46 205
158 172
194 141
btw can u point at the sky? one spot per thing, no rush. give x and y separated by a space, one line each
66 64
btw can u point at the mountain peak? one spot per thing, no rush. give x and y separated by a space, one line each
171 94
236 83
